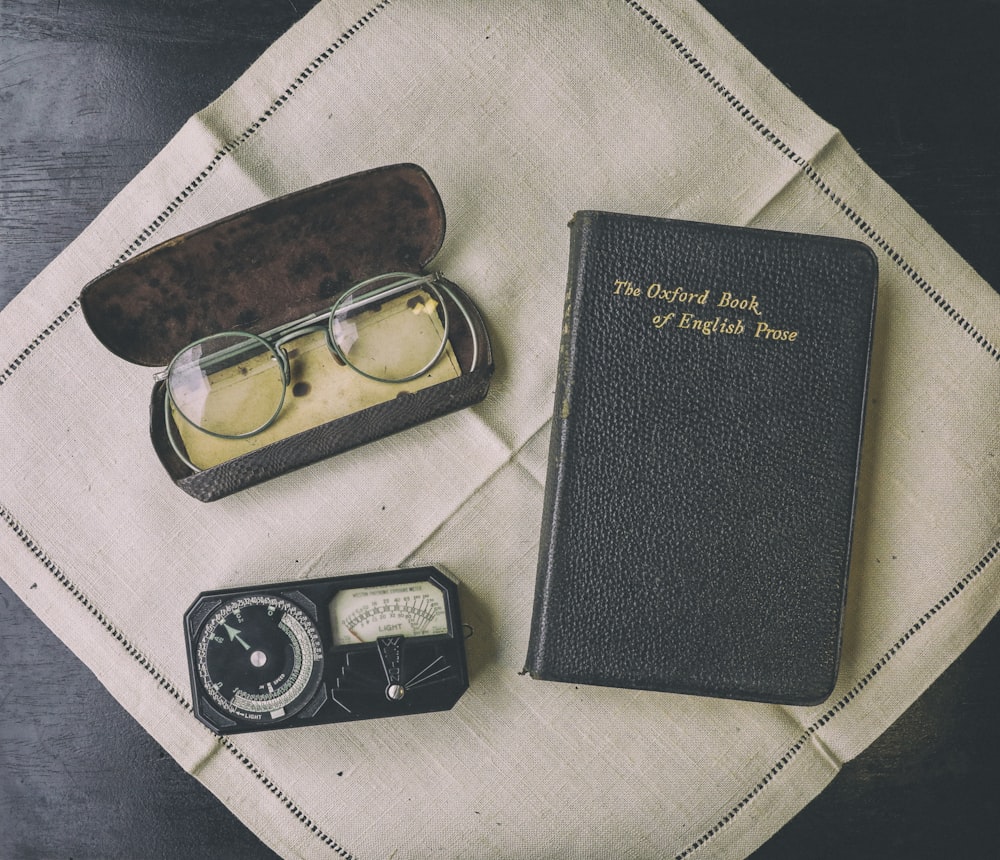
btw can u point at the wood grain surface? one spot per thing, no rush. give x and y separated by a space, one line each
90 90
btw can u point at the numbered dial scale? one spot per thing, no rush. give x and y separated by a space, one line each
326 650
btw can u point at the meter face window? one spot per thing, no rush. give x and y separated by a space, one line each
367 614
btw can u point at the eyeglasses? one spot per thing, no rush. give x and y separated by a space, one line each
389 328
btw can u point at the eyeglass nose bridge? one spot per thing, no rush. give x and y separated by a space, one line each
315 324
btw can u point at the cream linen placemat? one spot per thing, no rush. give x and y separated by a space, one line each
522 113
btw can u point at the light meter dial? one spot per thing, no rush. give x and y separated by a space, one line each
259 658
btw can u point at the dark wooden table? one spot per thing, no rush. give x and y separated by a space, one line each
90 90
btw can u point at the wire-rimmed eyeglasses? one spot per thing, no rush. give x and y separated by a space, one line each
390 328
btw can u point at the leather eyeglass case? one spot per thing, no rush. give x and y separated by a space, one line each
271 264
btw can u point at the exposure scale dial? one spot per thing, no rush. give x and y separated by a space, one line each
259 657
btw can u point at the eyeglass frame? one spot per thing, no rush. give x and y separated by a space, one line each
275 339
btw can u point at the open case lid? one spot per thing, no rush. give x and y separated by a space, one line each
267 265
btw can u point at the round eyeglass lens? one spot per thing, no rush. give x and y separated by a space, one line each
391 333
230 384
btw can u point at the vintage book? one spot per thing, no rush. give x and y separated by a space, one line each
704 459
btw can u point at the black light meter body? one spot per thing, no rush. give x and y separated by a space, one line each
326 650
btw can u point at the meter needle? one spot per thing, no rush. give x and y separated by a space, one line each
234 636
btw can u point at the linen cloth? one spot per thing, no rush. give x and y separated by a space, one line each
522 113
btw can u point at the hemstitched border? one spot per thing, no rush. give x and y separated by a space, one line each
807 169
842 702
228 148
31 347
164 683
814 176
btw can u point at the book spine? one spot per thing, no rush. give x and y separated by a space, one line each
580 231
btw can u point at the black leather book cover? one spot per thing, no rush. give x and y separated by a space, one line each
704 457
